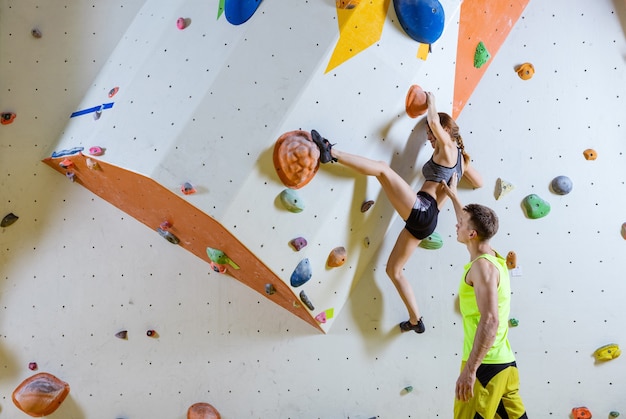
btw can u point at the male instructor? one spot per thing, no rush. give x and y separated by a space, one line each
488 386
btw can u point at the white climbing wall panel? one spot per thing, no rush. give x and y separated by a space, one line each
74 270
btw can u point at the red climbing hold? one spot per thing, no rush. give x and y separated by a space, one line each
7 117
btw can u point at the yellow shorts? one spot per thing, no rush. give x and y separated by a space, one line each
496 394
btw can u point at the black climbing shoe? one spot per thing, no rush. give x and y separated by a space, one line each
324 145
418 328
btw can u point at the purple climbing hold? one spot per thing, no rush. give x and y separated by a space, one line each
298 243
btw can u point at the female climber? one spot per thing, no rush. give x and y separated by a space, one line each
419 212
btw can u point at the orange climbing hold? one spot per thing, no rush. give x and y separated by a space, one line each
581 413
40 395
337 257
296 158
511 260
202 411
416 103
525 71
590 154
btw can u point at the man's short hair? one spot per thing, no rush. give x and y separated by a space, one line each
482 219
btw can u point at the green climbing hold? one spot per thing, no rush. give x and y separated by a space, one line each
219 257
614 414
432 242
535 207
513 322
481 56
291 200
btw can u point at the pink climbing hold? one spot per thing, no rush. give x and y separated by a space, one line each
298 243
202 411
32 366
182 23
66 163
624 231
96 151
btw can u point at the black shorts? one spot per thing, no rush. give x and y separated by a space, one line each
423 219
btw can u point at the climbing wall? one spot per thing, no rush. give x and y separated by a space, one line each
203 105
186 98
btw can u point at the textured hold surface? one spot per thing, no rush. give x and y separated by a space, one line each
337 257
481 56
624 230
535 207
607 352
219 257
525 71
581 413
305 300
422 20
298 243
511 260
8 219
502 188
40 395
590 154
432 242
415 102
561 185
296 158
301 274
291 200
202 411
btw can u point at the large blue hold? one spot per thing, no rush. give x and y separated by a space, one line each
422 20
301 274
239 11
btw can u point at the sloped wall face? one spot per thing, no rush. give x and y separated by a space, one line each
180 223
205 103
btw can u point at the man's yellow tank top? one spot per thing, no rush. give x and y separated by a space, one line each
500 352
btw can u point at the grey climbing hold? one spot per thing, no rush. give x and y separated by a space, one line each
301 274
291 200
561 185
8 219
269 289
306 301
168 236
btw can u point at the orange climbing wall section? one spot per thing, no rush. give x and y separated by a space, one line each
488 21
152 204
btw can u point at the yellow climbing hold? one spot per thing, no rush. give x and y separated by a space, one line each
607 352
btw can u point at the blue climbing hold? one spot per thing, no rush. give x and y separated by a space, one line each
239 11
422 20
301 274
